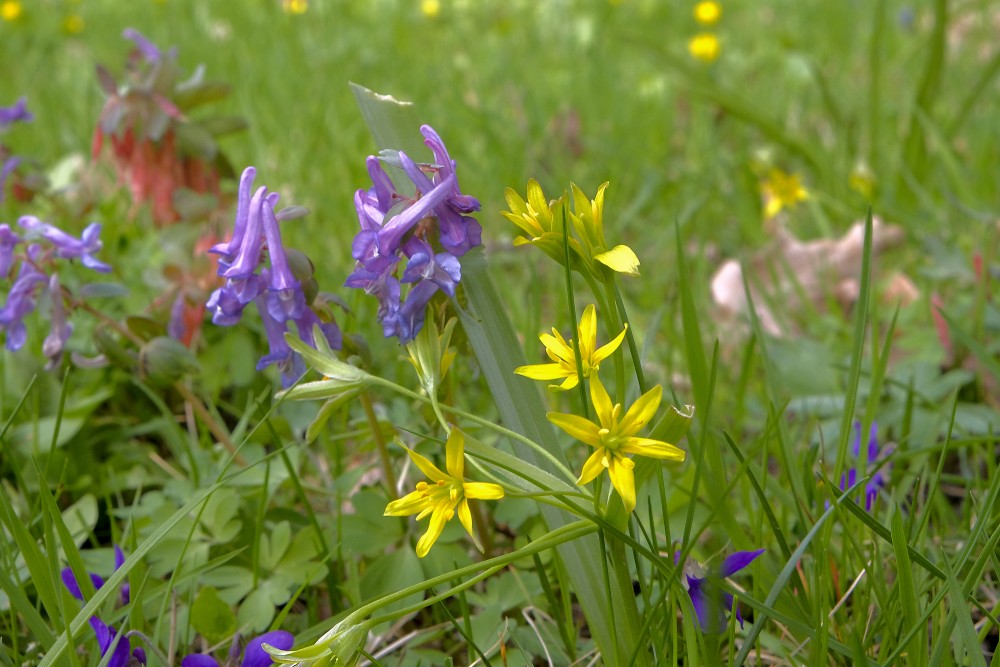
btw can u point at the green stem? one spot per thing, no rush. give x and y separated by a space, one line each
630 339
571 303
514 435
383 450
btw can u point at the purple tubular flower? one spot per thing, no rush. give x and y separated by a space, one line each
8 241
280 354
16 113
21 300
229 248
285 299
67 246
443 270
708 601
248 255
879 478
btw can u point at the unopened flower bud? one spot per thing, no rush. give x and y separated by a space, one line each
165 360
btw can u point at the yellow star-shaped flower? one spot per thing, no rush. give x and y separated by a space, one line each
614 438
780 191
561 352
447 494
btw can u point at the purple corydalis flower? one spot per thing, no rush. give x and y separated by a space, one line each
253 654
17 113
708 601
879 478
394 227
67 246
229 249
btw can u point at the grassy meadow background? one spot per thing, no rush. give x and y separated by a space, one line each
901 96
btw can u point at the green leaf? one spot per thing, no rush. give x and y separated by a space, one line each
212 617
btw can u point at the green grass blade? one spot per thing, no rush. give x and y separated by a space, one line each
908 598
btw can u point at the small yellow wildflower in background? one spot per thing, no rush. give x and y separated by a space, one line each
707 12
447 494
73 24
430 8
862 179
781 191
561 352
704 47
614 437
11 10
295 6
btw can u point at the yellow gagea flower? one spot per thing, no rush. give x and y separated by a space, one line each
780 191
614 438
445 495
561 352
588 219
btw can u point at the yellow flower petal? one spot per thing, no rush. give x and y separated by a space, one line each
587 333
605 351
569 383
623 480
641 412
482 491
593 467
621 259
438 519
454 452
543 371
602 402
426 467
556 345
656 449
537 202
582 429
409 504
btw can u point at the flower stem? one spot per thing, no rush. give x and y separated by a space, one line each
383 450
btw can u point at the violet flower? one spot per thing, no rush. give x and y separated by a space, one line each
708 600
253 654
123 653
150 51
430 231
274 289
879 478
17 113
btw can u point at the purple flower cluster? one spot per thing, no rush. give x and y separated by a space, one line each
8 116
879 478
37 275
431 230
274 289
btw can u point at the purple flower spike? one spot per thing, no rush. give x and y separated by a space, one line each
18 113
248 256
708 601
879 478
464 203
8 240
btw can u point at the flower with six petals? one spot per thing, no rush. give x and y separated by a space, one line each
564 360
614 438
445 495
